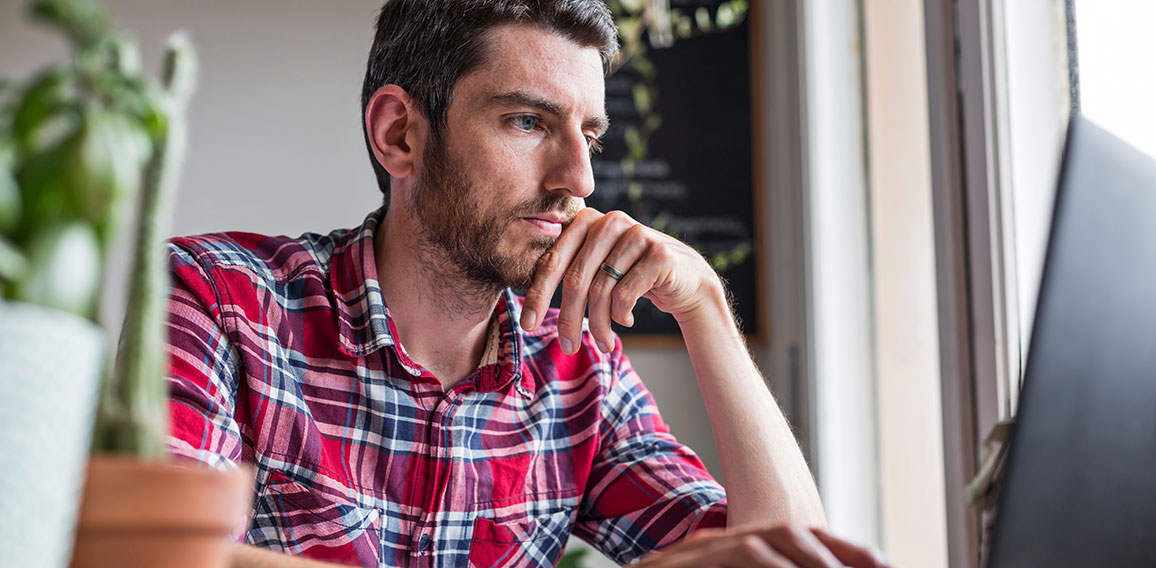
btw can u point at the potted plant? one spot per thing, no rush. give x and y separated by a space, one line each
81 143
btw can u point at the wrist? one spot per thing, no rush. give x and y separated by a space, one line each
713 309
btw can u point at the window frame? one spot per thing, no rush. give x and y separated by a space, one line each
982 338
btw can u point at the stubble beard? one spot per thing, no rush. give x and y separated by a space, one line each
458 232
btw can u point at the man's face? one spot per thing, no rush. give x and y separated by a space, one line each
514 165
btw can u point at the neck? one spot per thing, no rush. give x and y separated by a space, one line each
441 317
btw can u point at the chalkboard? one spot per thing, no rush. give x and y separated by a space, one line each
695 178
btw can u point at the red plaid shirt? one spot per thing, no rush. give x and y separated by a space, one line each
284 356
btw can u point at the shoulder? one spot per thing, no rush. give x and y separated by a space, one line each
261 257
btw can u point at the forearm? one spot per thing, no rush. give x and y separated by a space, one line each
246 556
766 478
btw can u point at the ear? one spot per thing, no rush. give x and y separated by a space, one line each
396 130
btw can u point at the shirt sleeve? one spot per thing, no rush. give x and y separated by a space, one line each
646 490
204 368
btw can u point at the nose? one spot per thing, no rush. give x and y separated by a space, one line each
569 168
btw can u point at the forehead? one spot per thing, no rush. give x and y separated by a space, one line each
523 57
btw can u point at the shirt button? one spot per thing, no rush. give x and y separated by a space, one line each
423 544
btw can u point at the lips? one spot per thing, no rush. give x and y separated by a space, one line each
549 225
553 218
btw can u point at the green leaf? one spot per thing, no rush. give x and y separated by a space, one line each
652 122
13 264
89 174
50 95
726 17
702 18
663 224
683 26
83 22
627 166
180 69
645 68
107 165
572 558
633 6
125 55
64 269
634 191
635 145
629 29
9 201
643 97
43 180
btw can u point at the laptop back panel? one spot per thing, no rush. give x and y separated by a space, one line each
1080 484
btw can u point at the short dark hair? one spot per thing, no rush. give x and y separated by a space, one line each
425 46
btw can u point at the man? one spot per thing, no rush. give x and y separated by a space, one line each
401 406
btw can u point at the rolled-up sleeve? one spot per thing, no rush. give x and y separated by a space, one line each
646 490
203 369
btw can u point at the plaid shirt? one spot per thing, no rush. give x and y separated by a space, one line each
283 355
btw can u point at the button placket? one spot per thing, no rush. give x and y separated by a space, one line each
440 442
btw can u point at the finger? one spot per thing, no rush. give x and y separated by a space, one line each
850 554
625 296
599 302
698 539
601 238
642 278
802 547
552 266
740 551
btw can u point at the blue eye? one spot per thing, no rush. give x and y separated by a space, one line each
525 122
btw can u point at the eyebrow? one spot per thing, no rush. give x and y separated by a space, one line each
522 98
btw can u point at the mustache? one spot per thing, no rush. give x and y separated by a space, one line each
567 206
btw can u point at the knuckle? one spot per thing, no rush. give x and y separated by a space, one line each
568 322
638 232
549 261
586 214
661 254
621 296
618 219
795 532
750 545
599 287
535 295
572 282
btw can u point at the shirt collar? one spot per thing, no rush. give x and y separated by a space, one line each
362 319
364 324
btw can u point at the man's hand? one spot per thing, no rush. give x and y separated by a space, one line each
605 263
247 556
779 547
654 265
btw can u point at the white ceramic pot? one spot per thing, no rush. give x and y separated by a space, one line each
50 371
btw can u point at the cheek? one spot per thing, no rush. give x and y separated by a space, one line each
506 168
517 159
492 164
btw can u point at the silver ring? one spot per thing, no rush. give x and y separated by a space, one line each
612 272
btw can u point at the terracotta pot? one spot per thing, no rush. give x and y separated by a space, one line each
138 514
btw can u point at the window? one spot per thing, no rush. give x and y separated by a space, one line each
1117 87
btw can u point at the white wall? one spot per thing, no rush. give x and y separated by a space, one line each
275 141
912 498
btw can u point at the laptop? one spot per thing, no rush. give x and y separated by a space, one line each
1079 487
